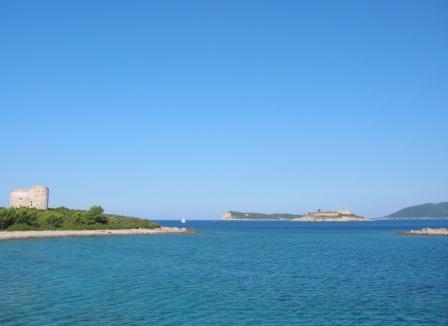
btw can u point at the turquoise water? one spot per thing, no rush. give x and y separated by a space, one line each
231 273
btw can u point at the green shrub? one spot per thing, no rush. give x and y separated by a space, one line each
67 219
21 227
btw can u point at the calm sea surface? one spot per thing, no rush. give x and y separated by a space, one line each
231 273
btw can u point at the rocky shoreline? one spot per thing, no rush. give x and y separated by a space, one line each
17 235
428 231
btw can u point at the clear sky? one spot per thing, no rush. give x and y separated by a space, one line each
164 109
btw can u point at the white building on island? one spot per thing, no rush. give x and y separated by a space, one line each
34 197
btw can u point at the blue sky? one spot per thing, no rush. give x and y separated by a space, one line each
164 109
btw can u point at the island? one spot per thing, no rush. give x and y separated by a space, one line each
424 211
239 216
341 215
428 231
22 223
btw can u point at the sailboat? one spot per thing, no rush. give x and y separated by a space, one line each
183 220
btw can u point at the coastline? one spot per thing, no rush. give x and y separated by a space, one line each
20 235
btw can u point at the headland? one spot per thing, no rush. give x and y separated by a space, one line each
423 211
30 222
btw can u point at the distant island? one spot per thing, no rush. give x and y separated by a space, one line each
439 210
62 218
233 215
341 215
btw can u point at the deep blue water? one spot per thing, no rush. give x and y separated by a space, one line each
231 273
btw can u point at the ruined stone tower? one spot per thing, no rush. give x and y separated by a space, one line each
34 197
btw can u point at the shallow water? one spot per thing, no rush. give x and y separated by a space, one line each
231 273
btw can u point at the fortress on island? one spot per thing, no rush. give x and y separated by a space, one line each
34 197
323 214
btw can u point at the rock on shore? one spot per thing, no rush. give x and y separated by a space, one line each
16 235
428 231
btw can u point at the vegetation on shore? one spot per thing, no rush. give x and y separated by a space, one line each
439 210
62 218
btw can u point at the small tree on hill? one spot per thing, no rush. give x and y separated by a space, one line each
96 214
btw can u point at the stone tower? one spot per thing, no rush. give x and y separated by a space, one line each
34 197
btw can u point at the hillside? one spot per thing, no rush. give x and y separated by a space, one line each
439 210
233 215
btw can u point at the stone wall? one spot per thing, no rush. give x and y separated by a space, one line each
34 197
344 212
324 213
330 213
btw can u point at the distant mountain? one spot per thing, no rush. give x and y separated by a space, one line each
421 211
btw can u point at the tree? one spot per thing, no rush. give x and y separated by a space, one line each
55 219
95 213
25 216
96 210
6 218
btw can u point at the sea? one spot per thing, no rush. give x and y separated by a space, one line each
231 273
